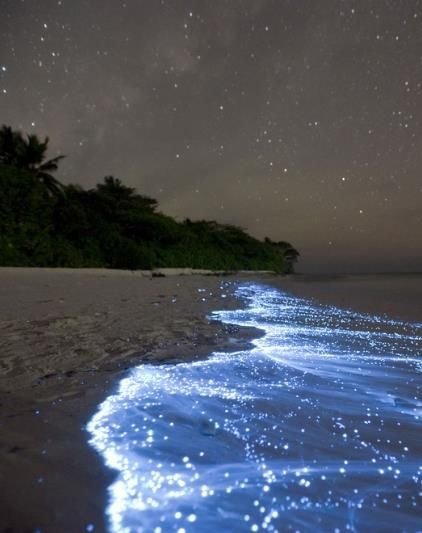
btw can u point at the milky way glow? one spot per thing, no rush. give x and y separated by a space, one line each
316 428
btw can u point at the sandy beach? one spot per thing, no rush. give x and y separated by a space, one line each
68 336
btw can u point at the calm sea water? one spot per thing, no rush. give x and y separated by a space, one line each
316 428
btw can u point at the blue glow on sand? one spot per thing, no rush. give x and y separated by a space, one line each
316 428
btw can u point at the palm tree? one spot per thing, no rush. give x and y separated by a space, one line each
34 158
30 153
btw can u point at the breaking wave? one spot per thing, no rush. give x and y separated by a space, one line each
315 428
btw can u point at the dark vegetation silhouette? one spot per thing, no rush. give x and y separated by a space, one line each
29 153
45 223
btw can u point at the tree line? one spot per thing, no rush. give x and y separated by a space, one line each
45 223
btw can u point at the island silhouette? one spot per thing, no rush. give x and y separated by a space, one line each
44 223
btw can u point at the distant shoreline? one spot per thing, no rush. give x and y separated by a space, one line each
307 276
141 273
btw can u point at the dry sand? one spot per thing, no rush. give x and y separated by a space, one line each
68 336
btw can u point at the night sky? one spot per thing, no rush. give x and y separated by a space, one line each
297 120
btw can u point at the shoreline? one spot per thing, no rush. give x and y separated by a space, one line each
68 338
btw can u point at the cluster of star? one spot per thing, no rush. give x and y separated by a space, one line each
292 109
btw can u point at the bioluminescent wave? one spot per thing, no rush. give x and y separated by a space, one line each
316 428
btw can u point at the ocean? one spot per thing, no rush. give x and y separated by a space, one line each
316 427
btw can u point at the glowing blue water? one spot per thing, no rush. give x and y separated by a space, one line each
317 428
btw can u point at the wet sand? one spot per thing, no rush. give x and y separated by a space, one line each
67 337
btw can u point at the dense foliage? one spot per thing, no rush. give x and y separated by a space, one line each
45 223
